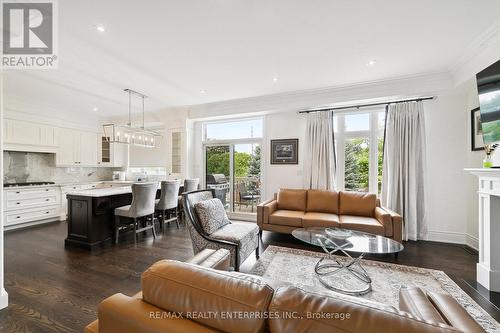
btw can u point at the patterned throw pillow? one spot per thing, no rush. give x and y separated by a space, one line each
211 214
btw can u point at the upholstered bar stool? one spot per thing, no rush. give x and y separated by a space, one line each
190 185
168 202
141 208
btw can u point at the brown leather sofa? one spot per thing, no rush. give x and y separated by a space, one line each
295 208
184 297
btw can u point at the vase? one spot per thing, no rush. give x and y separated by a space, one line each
487 162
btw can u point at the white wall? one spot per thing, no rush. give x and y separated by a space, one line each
285 125
447 151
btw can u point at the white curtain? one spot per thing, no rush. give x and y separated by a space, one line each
404 166
319 166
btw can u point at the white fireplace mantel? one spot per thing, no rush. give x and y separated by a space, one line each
488 267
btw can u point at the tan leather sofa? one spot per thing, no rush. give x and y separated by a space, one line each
184 297
295 208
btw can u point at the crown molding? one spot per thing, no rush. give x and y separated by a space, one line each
482 52
398 87
24 111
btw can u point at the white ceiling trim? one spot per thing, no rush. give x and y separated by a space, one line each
401 87
481 53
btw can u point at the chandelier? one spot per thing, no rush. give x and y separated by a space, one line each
137 136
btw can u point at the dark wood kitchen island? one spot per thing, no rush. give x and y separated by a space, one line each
91 216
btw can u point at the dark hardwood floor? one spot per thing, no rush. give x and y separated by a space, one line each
56 290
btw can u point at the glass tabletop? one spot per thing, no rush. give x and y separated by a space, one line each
348 240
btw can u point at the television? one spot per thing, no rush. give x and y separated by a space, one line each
488 87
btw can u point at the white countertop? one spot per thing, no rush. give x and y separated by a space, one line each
103 192
116 182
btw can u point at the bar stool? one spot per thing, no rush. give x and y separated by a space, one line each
190 184
167 204
142 206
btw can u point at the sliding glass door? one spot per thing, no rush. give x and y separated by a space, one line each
232 152
246 177
233 171
218 172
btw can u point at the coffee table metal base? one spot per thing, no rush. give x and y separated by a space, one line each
331 265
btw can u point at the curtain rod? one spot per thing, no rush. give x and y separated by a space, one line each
368 105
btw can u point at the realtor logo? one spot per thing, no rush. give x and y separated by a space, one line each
29 34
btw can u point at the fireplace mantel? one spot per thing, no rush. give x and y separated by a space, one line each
488 267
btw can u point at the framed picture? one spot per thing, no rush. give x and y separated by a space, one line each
285 151
476 130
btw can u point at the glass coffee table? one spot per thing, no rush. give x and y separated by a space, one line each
345 275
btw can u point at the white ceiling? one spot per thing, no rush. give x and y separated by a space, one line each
170 50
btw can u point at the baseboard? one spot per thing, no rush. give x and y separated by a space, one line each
445 237
472 241
4 299
452 237
31 224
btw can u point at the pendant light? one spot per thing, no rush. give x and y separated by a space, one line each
137 136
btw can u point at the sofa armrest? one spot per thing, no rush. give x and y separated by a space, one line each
454 313
414 301
217 259
265 209
92 327
386 220
120 313
397 225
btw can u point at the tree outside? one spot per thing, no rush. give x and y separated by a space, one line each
357 164
245 164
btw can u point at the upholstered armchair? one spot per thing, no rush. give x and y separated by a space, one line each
240 238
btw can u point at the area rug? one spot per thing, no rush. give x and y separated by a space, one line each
297 267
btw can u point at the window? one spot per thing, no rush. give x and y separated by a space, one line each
358 144
233 130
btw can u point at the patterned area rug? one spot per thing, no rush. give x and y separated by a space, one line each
297 267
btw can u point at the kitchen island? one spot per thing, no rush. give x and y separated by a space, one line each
91 215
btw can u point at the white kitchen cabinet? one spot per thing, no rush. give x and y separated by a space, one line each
30 205
111 154
76 148
28 136
87 149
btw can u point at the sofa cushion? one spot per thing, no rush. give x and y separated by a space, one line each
211 214
323 201
312 219
181 287
289 199
291 218
357 203
362 223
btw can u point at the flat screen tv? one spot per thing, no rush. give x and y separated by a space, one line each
488 86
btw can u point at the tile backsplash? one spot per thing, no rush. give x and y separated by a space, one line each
31 167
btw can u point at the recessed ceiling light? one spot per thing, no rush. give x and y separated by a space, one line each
275 78
372 62
100 28
203 91
95 109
